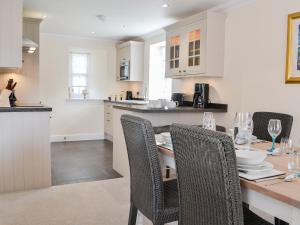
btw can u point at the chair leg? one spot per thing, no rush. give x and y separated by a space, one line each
132 214
167 172
280 222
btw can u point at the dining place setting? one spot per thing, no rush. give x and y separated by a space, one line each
256 156
251 151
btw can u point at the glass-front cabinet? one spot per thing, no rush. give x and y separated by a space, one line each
184 51
195 37
173 52
195 46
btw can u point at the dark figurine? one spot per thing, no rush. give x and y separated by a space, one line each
11 86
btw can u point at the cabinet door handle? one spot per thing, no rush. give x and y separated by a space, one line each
184 71
179 71
107 120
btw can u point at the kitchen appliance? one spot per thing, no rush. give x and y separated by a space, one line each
178 97
129 95
29 46
125 70
201 95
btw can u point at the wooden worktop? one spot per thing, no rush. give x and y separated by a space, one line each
287 192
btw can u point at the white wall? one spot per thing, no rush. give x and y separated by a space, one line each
255 63
76 119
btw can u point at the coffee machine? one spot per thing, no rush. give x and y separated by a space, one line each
201 95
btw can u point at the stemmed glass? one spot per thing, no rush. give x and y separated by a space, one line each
274 129
243 128
209 121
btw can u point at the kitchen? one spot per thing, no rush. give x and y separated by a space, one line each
170 61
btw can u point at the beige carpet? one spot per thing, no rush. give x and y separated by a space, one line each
92 203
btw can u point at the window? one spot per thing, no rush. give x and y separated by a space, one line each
159 85
79 71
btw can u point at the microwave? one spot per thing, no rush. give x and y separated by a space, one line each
125 70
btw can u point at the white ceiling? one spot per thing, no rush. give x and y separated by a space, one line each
124 18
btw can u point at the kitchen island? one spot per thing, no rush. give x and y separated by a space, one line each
25 161
158 117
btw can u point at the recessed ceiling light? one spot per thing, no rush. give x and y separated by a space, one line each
101 17
44 16
93 32
165 5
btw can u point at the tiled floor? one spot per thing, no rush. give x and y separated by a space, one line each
74 162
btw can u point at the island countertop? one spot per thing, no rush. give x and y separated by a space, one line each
212 107
25 109
128 102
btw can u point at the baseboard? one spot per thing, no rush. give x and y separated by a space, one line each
77 137
108 137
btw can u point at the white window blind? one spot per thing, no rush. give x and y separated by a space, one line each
79 72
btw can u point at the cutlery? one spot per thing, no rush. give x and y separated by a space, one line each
270 178
288 178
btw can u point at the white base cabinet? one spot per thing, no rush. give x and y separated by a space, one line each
25 161
108 121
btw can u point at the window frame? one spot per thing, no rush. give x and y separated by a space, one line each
72 95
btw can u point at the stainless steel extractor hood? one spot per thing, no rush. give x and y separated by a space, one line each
29 46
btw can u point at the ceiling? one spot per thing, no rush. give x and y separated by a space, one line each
123 18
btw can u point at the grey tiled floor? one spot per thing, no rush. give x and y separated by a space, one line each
74 162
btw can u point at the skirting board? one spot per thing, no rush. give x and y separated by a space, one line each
77 137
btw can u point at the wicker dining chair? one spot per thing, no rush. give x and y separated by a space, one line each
208 181
155 198
261 121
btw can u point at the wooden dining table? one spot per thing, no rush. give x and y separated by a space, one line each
275 197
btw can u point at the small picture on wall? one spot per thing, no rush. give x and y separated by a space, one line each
293 49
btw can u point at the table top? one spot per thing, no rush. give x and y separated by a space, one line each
287 192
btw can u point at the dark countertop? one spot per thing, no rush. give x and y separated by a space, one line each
128 102
25 109
213 107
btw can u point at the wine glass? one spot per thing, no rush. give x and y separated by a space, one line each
243 128
274 129
209 121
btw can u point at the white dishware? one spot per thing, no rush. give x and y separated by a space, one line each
159 139
267 167
264 164
247 157
167 137
171 104
154 104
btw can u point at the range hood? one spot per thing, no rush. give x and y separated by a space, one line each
29 46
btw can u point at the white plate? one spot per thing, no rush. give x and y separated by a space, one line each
267 168
255 167
247 157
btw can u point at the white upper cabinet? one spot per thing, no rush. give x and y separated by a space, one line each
130 58
11 34
195 46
